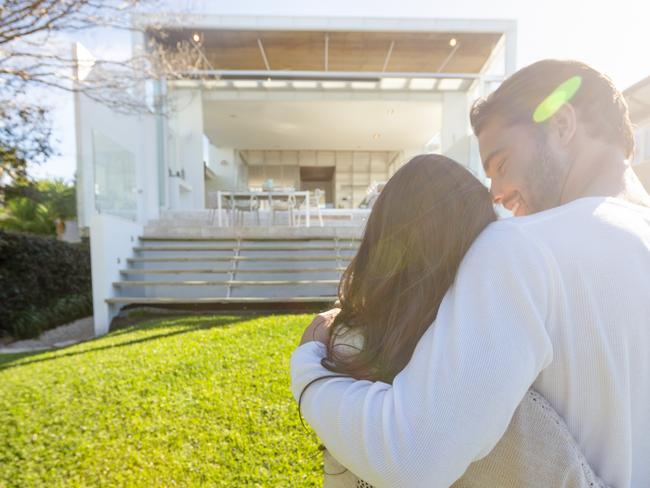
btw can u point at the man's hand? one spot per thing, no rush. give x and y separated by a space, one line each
319 329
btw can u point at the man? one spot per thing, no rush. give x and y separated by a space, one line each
557 299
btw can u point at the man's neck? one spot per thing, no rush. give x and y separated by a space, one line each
604 173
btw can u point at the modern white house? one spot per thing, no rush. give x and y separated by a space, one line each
638 100
289 121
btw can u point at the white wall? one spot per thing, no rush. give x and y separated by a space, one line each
135 133
111 243
354 171
226 165
228 169
185 149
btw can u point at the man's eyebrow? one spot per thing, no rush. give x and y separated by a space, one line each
486 162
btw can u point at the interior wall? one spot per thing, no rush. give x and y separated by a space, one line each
354 171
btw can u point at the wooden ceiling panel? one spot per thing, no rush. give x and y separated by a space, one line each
420 53
358 51
302 51
348 51
232 50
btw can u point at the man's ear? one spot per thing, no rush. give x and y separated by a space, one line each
563 124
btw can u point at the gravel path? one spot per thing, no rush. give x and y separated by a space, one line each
62 336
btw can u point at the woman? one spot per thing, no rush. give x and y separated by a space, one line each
422 224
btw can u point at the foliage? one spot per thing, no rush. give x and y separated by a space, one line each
182 401
36 273
35 55
35 206
59 196
25 215
32 321
25 135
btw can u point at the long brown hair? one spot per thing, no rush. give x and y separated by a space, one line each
422 224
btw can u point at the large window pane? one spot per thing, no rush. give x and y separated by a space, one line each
115 183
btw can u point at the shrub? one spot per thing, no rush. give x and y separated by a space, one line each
43 283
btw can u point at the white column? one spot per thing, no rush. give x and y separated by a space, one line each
454 140
187 123
511 50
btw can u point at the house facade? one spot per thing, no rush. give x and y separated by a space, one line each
638 100
305 104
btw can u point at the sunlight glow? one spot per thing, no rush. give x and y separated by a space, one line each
561 95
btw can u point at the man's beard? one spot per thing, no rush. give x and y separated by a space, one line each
546 178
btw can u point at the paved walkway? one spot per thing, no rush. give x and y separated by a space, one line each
62 336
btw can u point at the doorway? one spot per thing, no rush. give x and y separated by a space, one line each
312 177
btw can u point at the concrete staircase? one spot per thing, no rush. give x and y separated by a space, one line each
199 265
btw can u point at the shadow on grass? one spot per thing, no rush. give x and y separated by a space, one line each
6 361
153 320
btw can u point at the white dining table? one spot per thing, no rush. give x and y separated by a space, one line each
263 195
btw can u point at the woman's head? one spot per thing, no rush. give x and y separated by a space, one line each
421 226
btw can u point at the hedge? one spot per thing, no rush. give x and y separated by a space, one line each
44 283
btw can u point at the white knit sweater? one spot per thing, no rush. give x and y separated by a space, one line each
559 300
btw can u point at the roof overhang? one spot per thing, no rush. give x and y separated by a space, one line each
253 47
338 51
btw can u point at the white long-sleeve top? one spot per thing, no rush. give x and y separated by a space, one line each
559 300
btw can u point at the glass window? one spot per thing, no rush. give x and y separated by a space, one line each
114 174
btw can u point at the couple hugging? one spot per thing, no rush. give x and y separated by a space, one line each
469 351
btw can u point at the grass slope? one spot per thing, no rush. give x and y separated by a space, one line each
191 401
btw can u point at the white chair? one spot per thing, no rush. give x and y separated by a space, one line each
314 202
283 205
238 206
213 206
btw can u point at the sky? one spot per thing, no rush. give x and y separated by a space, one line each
612 36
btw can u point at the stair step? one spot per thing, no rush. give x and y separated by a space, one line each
242 258
216 300
241 248
222 271
226 282
249 239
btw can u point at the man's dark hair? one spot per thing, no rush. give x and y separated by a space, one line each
598 104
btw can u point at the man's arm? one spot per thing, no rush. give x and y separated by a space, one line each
468 373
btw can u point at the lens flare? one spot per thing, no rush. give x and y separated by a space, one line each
561 95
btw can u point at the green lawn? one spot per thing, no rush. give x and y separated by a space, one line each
182 401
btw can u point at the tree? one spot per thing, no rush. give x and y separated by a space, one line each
30 57
36 206
33 56
26 215
24 136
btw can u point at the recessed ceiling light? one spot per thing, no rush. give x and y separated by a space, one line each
392 83
447 84
332 84
363 85
304 84
245 83
422 83
215 83
274 83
